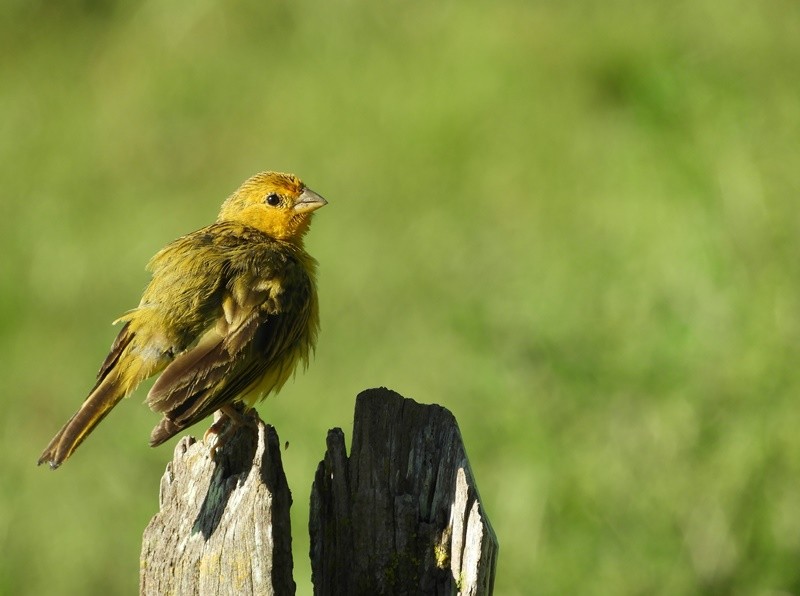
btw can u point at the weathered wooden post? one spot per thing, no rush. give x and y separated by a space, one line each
401 515
223 525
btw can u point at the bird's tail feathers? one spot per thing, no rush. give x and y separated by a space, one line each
119 376
105 396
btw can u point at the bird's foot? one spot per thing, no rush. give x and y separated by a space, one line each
228 419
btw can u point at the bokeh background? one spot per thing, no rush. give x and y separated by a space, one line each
572 224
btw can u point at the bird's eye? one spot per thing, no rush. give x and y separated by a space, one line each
273 199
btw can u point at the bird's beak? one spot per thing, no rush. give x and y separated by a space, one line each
309 201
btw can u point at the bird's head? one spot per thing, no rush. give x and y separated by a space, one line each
277 204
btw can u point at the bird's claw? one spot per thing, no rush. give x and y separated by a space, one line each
228 419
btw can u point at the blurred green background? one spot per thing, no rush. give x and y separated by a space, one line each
572 224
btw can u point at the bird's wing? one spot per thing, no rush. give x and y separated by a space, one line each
261 319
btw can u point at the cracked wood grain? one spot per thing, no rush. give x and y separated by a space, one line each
402 513
223 525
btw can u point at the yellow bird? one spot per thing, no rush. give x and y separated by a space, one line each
229 313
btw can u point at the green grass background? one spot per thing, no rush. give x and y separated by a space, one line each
573 224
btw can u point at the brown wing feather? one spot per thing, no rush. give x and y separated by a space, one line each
216 379
204 383
230 359
183 371
124 337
